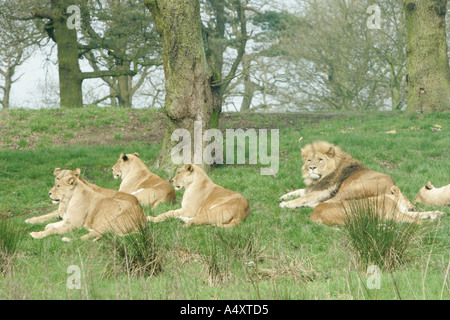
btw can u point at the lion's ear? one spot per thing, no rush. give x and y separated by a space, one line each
330 153
124 157
395 190
188 167
136 154
57 171
71 181
429 186
76 172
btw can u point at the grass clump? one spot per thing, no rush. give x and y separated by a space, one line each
377 238
10 236
136 254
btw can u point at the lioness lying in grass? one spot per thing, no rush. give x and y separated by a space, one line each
204 202
138 180
80 205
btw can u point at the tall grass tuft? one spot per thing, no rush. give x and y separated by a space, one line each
10 236
376 238
136 254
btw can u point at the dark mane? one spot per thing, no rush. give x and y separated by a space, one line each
337 177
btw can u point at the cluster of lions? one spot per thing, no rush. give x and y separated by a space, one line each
334 182
100 210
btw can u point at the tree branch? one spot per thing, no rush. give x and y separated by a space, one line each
106 73
41 14
241 49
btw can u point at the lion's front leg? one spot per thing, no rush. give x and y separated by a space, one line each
308 200
43 218
165 215
296 193
60 229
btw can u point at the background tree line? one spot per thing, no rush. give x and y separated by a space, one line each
307 55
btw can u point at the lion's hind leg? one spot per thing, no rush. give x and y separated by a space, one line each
93 234
227 213
328 214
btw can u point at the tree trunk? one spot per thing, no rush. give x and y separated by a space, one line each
249 86
428 72
70 78
7 93
188 87
8 74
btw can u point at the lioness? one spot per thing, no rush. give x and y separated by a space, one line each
138 180
434 196
60 211
84 207
204 202
393 206
330 173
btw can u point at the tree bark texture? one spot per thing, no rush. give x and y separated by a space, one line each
188 79
428 72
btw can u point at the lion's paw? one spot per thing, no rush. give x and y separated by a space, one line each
36 235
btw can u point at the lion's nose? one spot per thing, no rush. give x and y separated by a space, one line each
312 168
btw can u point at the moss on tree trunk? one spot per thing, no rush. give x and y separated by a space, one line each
70 77
428 72
188 88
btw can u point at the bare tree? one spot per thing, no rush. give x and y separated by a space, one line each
17 38
55 19
120 35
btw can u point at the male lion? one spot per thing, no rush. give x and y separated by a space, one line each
138 180
434 196
393 206
204 202
83 207
330 173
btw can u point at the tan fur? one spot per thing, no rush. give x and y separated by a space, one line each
81 206
60 211
204 202
434 196
393 206
330 173
137 179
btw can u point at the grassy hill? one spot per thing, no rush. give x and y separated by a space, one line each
275 254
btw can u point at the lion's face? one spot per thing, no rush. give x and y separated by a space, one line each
318 160
65 183
316 165
117 168
122 163
184 177
424 192
403 202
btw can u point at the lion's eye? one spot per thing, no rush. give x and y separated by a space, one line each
320 160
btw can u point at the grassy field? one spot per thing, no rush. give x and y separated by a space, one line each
275 254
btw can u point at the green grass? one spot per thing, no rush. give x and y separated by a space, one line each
378 241
275 254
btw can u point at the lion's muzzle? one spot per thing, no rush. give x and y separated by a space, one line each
314 175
